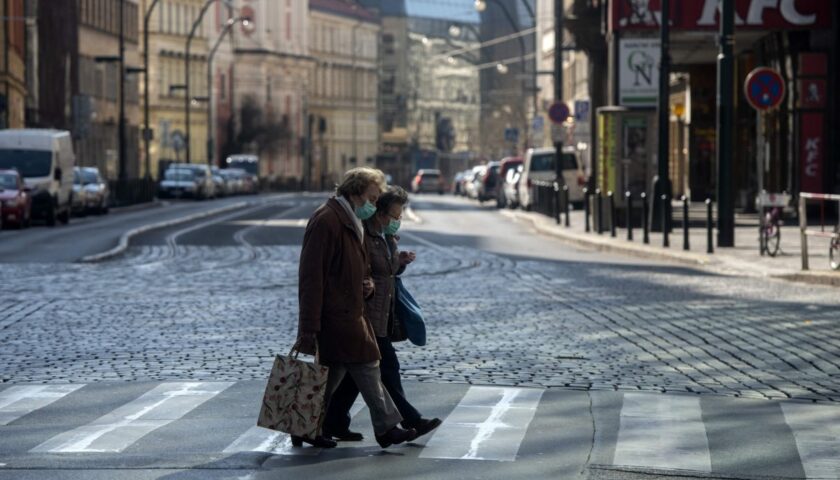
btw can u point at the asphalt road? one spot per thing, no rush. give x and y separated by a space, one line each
544 360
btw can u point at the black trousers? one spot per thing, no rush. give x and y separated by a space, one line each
337 418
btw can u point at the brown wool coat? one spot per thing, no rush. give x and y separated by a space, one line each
333 266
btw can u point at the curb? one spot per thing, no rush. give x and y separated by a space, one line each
604 244
126 237
690 259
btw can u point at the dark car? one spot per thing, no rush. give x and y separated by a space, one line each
15 199
488 186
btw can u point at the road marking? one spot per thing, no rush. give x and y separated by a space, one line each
659 431
18 401
116 431
258 439
816 429
489 423
275 222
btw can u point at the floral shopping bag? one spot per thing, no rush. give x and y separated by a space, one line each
294 397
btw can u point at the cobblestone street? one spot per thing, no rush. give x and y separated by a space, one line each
221 312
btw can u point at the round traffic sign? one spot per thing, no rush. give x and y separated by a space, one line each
558 112
764 88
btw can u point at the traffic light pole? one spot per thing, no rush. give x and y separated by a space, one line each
725 102
663 183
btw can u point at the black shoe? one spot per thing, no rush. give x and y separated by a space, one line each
345 436
422 425
319 441
396 436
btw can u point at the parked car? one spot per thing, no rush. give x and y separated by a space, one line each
78 202
180 182
233 180
98 195
428 180
458 183
206 187
16 202
472 179
507 164
488 185
540 165
45 160
510 186
221 186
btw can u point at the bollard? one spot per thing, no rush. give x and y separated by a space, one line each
556 202
598 212
710 248
612 213
628 217
665 241
645 219
586 209
685 223
566 204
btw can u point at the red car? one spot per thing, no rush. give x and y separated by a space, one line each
15 199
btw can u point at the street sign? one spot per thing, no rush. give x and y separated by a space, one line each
764 89
558 112
512 135
178 140
537 124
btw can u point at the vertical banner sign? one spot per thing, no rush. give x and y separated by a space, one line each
811 151
638 72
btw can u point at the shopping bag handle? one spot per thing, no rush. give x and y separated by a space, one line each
293 353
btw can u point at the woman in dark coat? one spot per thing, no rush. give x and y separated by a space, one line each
386 262
333 285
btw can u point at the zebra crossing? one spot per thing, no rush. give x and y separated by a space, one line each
636 431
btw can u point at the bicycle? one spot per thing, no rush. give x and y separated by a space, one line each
770 224
834 250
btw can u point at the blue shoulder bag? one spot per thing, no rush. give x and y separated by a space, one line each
408 312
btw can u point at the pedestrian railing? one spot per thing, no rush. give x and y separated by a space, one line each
550 199
132 191
833 234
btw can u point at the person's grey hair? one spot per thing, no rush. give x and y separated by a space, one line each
391 196
357 180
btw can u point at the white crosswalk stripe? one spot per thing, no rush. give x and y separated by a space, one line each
18 401
816 429
661 431
488 424
258 439
116 431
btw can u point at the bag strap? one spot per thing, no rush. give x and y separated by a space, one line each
295 351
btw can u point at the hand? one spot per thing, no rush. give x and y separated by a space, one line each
306 342
367 287
407 257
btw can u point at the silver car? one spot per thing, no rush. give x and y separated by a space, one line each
179 182
97 194
78 200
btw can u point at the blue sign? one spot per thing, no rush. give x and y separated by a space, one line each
511 134
558 112
581 110
538 124
764 88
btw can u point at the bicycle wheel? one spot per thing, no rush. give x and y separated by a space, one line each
772 238
834 253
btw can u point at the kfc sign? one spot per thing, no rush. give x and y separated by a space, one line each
703 14
811 152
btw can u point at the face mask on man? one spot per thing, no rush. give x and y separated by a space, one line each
392 227
365 211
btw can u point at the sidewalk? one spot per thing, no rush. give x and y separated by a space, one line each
743 259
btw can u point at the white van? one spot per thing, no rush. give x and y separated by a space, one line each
539 166
45 160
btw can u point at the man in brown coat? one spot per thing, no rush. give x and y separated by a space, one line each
333 284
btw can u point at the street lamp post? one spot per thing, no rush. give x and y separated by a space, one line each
246 21
187 98
147 133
